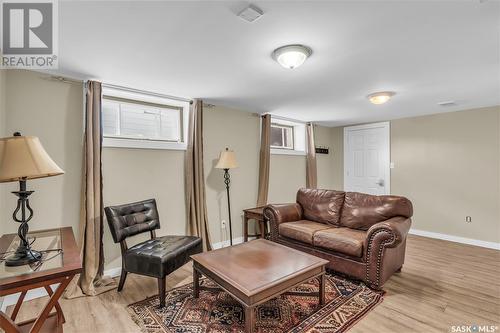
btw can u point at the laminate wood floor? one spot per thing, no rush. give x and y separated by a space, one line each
442 284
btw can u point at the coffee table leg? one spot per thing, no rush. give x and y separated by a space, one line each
249 319
322 289
196 283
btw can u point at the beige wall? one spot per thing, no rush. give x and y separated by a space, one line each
286 175
337 151
330 168
239 131
287 172
53 112
131 175
448 165
3 206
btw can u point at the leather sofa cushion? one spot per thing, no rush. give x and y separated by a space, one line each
302 230
161 256
321 205
361 210
343 240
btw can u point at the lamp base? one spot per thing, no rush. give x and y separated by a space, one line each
23 256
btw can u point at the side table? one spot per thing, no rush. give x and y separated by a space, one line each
60 263
256 214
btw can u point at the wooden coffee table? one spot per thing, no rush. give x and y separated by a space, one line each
258 271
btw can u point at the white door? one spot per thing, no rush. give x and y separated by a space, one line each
367 158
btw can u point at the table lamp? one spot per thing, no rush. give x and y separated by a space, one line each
23 158
227 160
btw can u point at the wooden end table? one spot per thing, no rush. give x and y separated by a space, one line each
257 271
256 214
62 263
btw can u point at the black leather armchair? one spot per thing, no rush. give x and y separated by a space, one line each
156 257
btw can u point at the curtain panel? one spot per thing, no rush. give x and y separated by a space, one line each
90 281
196 206
311 166
264 161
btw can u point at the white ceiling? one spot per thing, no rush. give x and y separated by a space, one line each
426 51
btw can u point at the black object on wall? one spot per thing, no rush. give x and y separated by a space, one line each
322 150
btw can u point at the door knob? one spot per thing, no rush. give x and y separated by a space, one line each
380 182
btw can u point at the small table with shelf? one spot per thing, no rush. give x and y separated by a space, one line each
256 214
61 263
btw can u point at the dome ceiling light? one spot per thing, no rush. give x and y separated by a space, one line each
381 97
291 56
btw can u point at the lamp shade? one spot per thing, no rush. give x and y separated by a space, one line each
23 157
227 160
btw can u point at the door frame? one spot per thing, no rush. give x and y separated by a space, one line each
386 125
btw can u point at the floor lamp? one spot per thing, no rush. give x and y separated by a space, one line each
227 160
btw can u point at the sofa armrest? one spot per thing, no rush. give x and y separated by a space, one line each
394 229
281 213
382 235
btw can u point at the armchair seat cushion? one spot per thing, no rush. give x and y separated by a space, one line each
343 240
161 256
302 230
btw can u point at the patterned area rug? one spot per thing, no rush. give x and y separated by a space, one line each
296 311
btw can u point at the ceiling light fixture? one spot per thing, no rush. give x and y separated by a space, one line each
291 56
381 97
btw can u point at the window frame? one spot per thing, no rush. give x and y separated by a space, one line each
283 135
298 137
132 97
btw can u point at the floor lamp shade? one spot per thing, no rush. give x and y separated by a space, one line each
227 160
23 158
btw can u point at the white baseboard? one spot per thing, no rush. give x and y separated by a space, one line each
456 239
222 244
112 273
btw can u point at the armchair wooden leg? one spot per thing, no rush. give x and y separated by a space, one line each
161 291
123 277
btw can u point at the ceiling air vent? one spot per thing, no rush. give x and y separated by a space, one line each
251 13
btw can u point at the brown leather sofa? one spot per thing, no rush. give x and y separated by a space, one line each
363 236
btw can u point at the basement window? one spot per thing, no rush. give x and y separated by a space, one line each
288 137
282 136
142 121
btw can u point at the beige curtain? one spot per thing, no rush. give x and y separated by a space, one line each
90 282
265 157
311 168
195 177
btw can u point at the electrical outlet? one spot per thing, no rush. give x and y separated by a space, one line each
468 219
223 224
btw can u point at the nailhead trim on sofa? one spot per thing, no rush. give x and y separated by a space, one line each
379 256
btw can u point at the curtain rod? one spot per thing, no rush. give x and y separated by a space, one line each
144 92
69 79
285 118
